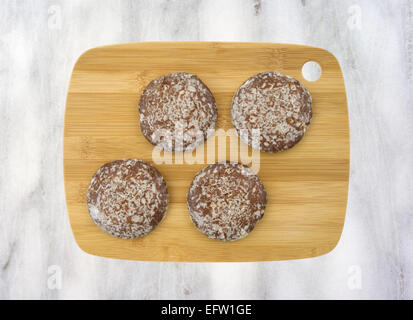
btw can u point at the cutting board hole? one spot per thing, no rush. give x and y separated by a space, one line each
311 71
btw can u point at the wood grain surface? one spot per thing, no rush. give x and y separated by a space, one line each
306 185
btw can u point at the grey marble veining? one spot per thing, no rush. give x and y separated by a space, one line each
39 44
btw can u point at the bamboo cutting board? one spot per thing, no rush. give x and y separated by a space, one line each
306 185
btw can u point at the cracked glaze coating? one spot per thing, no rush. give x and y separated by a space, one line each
226 200
177 112
127 198
275 104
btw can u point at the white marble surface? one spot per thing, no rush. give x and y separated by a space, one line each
39 44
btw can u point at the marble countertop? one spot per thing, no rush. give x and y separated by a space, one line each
39 44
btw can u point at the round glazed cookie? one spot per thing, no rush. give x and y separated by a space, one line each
177 112
127 198
226 200
271 111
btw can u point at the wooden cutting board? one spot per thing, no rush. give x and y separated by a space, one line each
306 185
